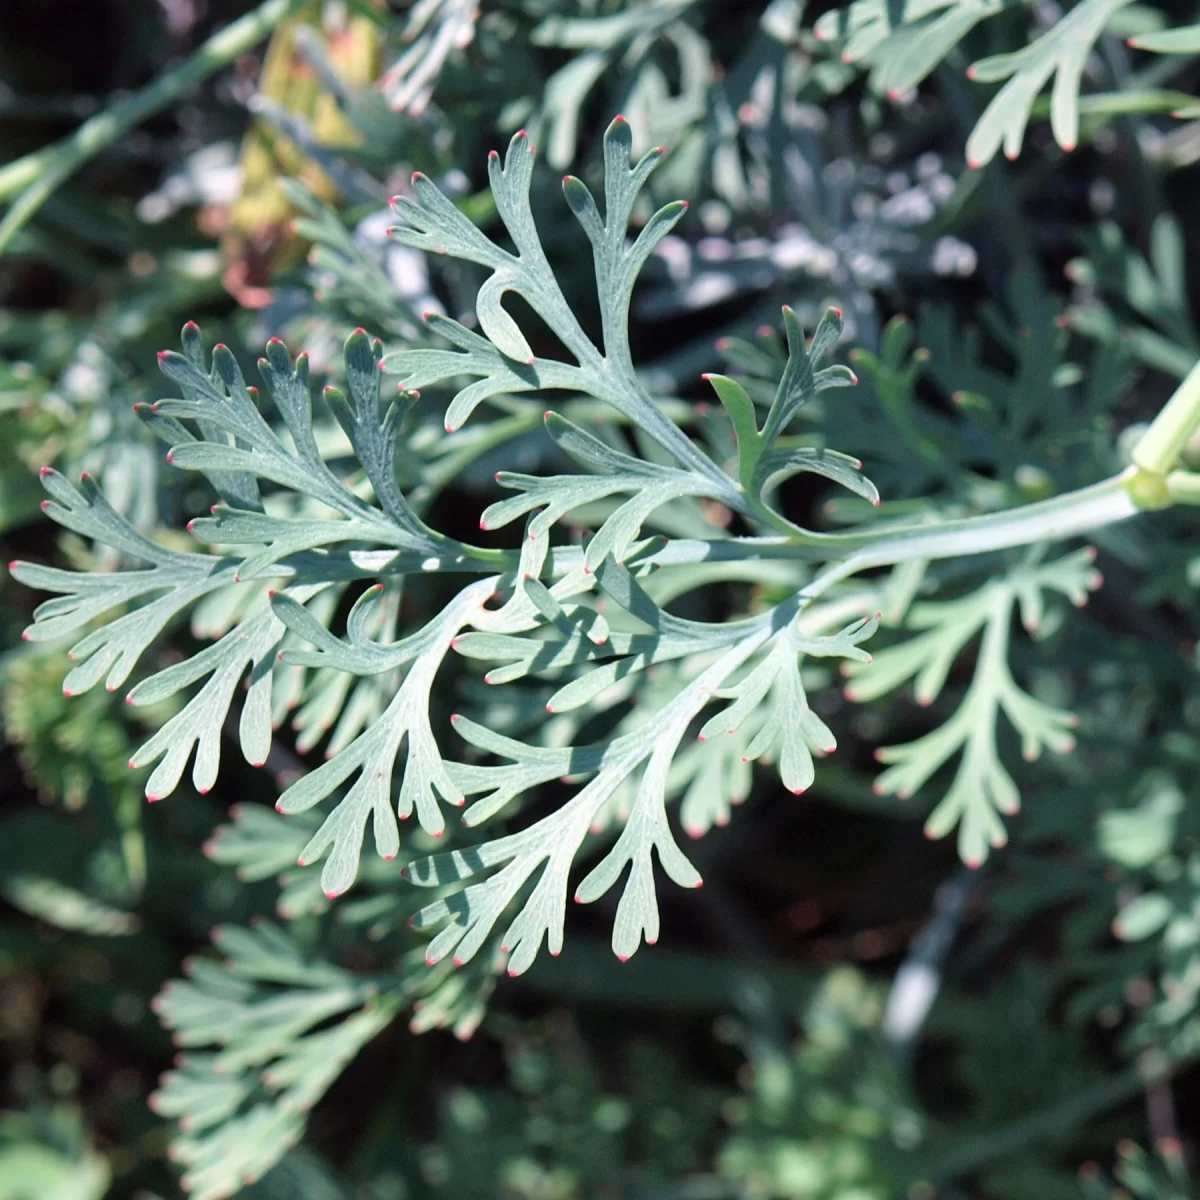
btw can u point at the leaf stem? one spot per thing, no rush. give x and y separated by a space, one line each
1161 444
34 178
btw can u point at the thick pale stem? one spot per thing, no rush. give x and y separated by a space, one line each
1066 516
1161 444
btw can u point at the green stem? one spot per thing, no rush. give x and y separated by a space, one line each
1060 517
36 176
1162 444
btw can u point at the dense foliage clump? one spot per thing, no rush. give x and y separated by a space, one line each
492 538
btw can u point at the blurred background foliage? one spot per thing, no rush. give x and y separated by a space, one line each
843 1012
